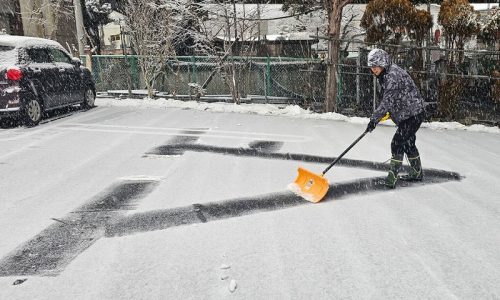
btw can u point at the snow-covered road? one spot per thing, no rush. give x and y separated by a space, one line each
136 201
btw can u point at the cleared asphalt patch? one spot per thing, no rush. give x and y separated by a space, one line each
266 150
49 252
206 212
214 211
56 246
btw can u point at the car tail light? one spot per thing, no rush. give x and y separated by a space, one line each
14 73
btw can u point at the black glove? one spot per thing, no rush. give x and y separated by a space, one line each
371 126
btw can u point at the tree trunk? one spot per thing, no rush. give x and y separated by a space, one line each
334 24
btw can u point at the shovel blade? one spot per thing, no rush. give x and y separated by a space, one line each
310 186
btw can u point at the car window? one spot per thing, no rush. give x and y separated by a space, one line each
5 48
59 56
38 55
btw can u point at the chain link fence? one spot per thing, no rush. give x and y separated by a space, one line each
273 80
456 85
468 92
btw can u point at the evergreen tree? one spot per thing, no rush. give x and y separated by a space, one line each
460 23
388 21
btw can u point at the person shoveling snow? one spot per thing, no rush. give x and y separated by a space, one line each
402 100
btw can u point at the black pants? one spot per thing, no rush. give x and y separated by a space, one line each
405 137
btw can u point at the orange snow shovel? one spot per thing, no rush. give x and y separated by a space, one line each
313 187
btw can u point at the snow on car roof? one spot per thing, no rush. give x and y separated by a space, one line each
9 43
27 41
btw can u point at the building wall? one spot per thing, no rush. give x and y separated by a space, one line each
10 20
41 19
112 36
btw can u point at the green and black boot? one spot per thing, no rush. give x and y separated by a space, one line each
392 177
415 173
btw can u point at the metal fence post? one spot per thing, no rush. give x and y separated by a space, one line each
195 71
374 93
268 77
339 82
134 71
358 63
129 75
265 83
94 61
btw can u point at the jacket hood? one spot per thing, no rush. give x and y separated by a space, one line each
378 58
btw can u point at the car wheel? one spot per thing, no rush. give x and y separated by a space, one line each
89 96
32 112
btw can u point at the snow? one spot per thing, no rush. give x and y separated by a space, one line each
294 188
141 178
293 111
484 6
303 36
430 241
13 89
276 23
232 286
24 41
7 57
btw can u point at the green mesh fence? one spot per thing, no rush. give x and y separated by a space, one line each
272 77
302 81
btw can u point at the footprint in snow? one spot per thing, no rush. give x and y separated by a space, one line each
232 286
19 281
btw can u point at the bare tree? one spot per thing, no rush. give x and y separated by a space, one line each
349 31
334 13
234 27
150 28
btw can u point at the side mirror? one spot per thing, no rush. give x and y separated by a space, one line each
76 61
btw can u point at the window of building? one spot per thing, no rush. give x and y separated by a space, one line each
115 37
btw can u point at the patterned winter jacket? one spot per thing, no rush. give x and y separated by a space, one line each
400 96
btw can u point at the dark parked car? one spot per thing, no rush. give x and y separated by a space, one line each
38 75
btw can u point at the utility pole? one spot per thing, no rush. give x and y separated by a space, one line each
258 27
428 54
235 21
79 25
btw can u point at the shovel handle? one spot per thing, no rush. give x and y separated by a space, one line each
345 151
